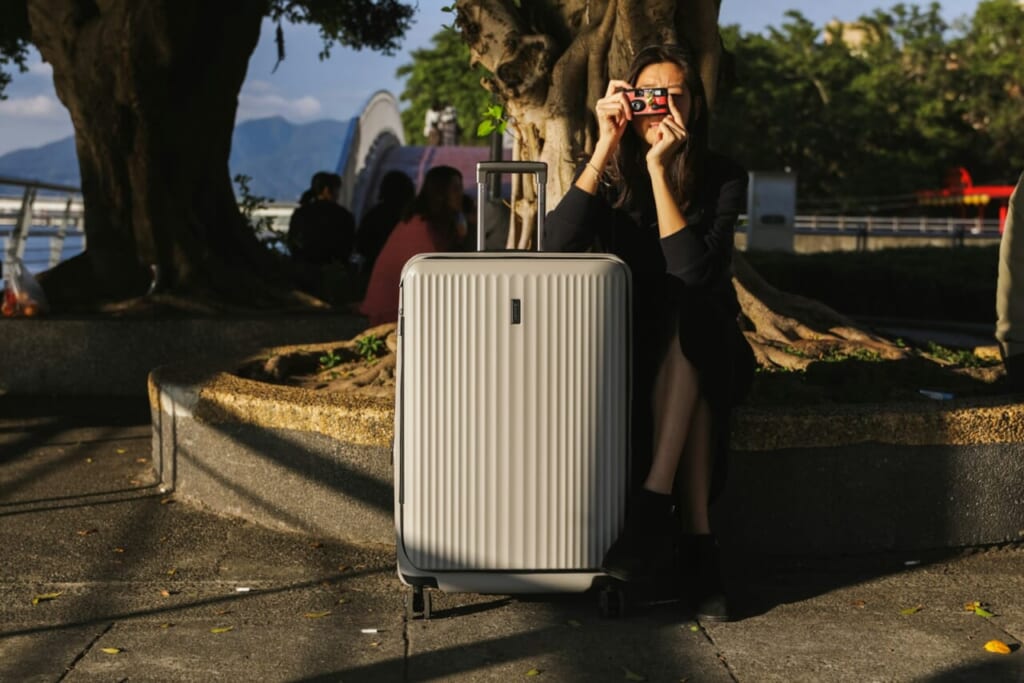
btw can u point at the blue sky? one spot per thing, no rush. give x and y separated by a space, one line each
306 89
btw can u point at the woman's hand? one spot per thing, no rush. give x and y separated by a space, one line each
613 115
671 139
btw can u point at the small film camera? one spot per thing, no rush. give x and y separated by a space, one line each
648 101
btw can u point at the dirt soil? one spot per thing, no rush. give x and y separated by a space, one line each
340 367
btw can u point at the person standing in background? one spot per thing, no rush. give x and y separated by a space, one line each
1010 290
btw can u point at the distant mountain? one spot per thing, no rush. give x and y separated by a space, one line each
279 156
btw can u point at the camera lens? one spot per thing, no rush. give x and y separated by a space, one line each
636 105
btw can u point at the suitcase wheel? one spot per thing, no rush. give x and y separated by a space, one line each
417 603
611 601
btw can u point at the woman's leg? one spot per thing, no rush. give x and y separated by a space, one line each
675 399
695 473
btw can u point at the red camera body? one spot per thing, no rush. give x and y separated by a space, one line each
648 101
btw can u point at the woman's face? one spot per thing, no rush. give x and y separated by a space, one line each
662 75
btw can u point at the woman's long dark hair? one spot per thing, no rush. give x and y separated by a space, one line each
432 200
629 166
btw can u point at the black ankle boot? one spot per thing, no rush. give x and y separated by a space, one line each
702 576
645 539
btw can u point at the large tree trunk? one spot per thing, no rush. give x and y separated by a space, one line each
551 61
152 88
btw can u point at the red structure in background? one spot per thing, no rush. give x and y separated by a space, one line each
961 191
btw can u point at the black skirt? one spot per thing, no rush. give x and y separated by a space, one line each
711 339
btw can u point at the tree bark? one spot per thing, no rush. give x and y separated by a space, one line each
550 63
152 89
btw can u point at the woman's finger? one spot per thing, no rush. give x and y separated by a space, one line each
615 86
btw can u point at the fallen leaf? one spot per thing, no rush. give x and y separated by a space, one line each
971 606
141 459
859 604
632 675
316 615
166 625
121 451
111 650
375 643
172 571
982 612
222 629
87 532
316 544
911 610
534 672
694 628
222 612
998 647
166 593
44 597
166 501
574 623
88 459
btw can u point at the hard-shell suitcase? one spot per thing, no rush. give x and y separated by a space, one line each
511 417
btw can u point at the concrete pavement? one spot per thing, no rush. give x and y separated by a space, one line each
130 584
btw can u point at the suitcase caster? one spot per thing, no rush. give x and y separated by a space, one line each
611 601
417 603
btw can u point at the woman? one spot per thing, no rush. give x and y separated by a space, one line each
653 194
434 223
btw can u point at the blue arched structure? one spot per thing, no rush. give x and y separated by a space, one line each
375 144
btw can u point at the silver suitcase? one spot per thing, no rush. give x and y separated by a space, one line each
511 416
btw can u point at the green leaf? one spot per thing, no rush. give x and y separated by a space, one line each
534 672
222 629
485 128
316 615
494 111
911 610
982 612
111 650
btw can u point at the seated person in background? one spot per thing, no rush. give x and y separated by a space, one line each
321 231
393 199
434 223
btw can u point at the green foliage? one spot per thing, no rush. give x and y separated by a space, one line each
369 347
963 358
442 73
249 204
374 24
868 113
329 360
493 120
14 40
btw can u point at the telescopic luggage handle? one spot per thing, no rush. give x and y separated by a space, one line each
485 168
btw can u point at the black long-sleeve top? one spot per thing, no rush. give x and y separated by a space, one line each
698 257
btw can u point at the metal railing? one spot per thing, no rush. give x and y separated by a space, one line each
36 228
957 230
42 230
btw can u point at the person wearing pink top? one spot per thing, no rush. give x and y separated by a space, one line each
434 223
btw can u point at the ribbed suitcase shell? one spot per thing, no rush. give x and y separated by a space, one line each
511 437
